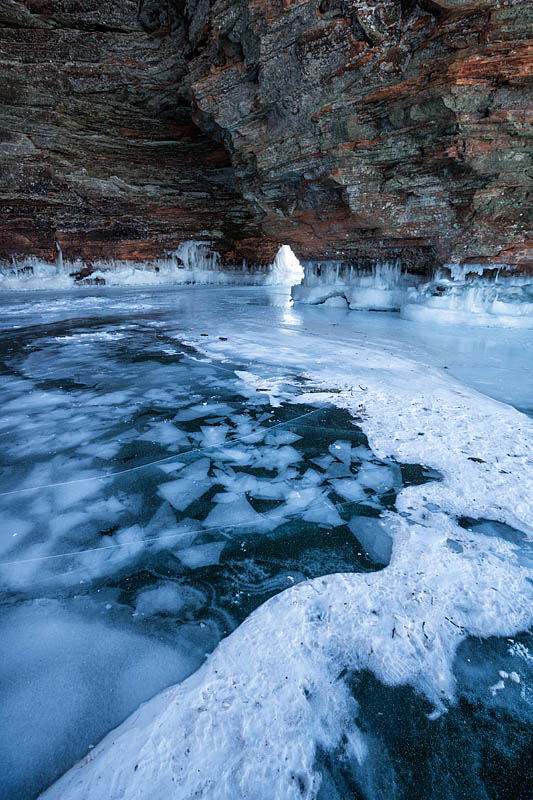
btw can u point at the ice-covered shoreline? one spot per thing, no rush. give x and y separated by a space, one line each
466 296
193 263
457 295
250 726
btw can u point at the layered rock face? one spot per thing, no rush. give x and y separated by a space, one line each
352 130
98 151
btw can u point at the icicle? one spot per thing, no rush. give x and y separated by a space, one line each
59 261
468 297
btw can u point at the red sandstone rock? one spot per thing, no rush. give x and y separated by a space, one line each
352 130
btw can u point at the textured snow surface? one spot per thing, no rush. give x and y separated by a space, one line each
251 721
248 723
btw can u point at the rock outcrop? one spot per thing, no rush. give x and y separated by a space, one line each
98 151
352 130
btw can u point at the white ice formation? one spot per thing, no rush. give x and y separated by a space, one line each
192 263
461 295
286 268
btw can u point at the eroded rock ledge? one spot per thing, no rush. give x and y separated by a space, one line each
352 130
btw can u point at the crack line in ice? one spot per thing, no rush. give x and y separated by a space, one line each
286 515
345 620
157 461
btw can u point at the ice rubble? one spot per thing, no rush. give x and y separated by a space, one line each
467 297
250 721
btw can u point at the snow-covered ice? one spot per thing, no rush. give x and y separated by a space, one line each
159 484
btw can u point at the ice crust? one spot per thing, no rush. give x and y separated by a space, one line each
249 723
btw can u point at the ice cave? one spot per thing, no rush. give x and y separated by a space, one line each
266 400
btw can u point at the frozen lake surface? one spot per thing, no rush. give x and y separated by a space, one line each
183 464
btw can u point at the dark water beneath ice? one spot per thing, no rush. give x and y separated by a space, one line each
480 749
150 500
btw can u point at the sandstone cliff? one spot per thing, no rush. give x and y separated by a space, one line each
351 130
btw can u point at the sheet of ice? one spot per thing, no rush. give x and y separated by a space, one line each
323 512
374 536
376 476
166 434
262 488
349 488
184 491
169 598
171 466
269 714
454 581
234 510
200 410
323 461
247 430
338 470
71 494
12 530
279 436
201 555
214 435
69 671
240 456
164 533
311 478
342 451
307 501
278 459
104 450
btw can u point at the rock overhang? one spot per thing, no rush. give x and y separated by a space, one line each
350 130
